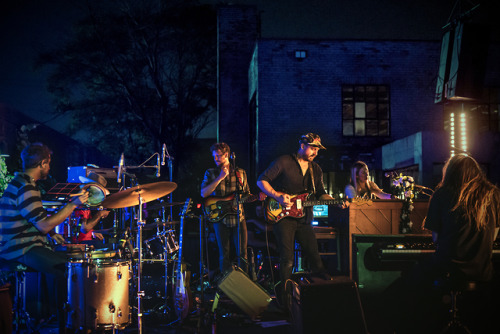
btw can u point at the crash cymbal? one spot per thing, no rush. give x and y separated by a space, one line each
130 197
158 206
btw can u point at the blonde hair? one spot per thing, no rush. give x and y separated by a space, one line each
474 194
356 167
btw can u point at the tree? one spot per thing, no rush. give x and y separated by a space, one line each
137 74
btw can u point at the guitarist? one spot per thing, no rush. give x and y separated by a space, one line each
289 175
223 180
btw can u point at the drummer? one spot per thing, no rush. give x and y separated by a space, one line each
25 223
87 219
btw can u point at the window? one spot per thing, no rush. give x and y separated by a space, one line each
365 110
300 54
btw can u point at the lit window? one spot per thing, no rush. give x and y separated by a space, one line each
300 54
365 110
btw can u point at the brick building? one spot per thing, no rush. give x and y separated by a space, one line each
370 100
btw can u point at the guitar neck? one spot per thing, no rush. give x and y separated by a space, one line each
320 202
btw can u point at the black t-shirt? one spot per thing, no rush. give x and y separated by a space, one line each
460 245
285 175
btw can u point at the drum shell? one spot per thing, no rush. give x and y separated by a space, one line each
156 246
98 294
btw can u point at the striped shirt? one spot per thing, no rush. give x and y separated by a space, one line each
20 209
227 187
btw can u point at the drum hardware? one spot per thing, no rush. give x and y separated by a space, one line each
138 196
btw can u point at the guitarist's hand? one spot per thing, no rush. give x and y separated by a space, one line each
224 171
284 200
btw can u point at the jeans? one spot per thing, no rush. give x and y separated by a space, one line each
224 234
287 230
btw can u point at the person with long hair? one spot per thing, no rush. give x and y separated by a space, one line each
360 186
464 218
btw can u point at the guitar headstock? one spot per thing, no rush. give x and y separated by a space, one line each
187 207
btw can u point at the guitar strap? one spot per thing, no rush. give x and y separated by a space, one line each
312 178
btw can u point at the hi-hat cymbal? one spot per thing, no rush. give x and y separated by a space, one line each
130 197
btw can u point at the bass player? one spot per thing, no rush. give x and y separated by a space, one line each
286 176
223 181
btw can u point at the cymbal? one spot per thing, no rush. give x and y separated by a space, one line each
130 197
157 206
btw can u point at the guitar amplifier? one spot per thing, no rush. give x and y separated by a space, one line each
325 306
245 293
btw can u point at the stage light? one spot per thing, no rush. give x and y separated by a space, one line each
452 133
458 132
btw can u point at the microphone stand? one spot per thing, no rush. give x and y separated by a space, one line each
238 213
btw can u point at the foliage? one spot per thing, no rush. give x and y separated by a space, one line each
5 177
405 188
135 75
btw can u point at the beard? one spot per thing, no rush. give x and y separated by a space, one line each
307 157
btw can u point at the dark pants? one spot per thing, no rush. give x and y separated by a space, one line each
52 264
287 231
224 234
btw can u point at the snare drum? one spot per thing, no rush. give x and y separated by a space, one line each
98 294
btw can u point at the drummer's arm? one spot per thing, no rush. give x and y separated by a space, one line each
47 224
89 224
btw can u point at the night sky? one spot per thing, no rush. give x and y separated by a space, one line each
31 25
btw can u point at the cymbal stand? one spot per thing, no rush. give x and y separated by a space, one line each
140 293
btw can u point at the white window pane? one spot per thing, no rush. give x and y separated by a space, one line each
359 127
359 110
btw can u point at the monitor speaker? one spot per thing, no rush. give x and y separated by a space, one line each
245 293
325 306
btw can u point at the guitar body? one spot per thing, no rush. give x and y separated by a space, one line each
182 292
275 211
182 295
217 207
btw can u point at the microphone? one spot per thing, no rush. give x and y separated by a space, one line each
233 156
120 168
158 166
163 154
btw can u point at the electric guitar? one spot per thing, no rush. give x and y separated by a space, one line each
218 207
274 211
182 297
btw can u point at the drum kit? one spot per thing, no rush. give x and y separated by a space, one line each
99 279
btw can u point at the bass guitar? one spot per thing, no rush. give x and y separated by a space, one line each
182 296
218 207
274 211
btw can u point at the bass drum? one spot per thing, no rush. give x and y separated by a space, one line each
98 294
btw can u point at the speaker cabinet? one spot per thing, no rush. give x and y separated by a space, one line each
245 293
325 306
462 67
